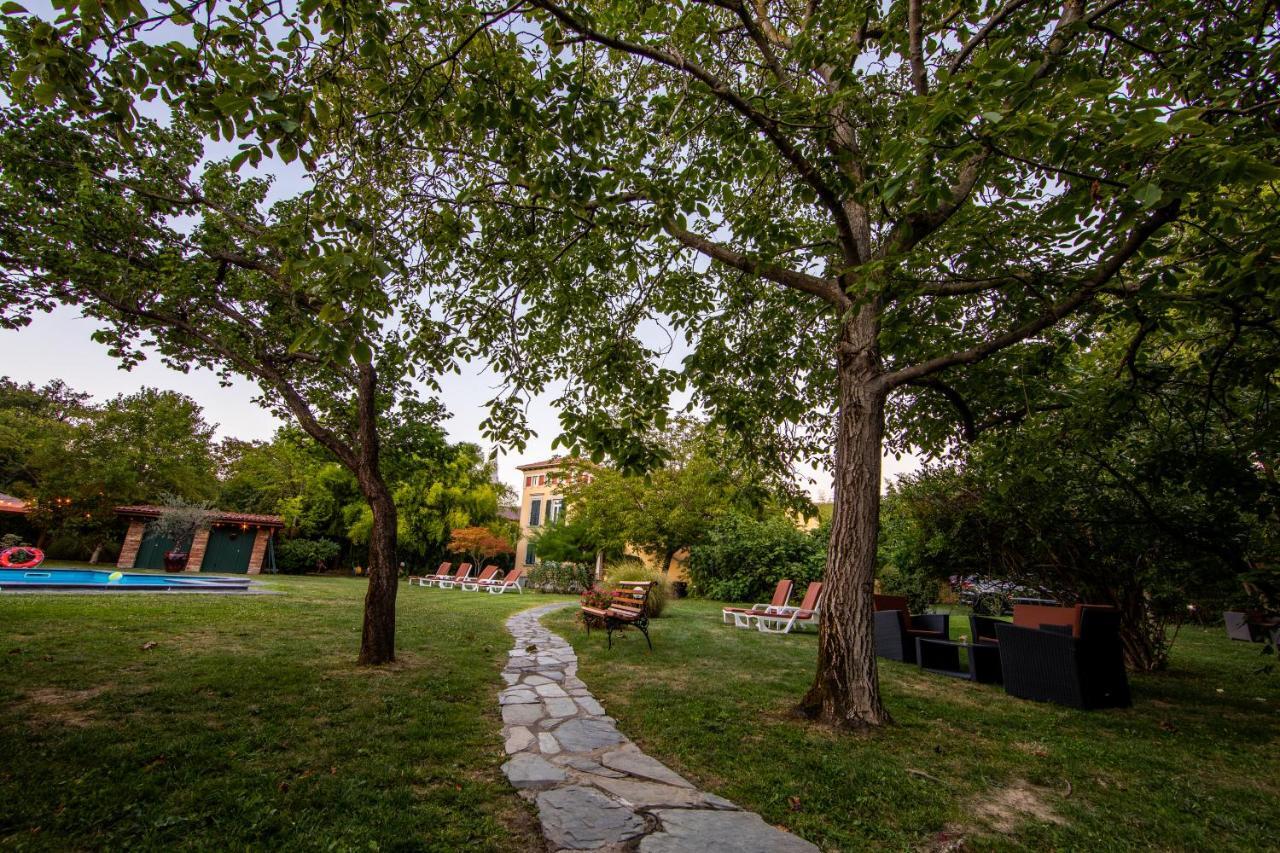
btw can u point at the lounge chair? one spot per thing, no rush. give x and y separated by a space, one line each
429 580
1080 664
897 629
457 577
513 580
628 609
486 575
787 619
741 616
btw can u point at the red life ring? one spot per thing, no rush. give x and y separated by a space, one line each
37 557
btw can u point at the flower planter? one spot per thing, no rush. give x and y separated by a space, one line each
175 561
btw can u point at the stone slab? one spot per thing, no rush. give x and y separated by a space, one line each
521 715
685 830
629 759
578 817
565 707
527 771
586 734
518 739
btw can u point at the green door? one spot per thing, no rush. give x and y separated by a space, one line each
151 551
228 550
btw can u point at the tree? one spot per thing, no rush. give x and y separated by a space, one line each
76 462
854 214
667 510
280 296
1146 485
479 543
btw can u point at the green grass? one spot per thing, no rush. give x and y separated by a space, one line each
247 725
1187 767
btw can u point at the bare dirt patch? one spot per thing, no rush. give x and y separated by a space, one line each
1004 809
61 706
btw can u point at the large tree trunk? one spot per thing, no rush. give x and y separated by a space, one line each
378 637
846 690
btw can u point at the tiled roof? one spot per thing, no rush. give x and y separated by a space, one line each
546 463
219 517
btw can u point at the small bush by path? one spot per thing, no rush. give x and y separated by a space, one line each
247 724
1188 767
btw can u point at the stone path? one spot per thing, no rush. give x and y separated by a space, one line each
595 789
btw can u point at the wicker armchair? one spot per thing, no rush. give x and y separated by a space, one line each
897 629
1054 664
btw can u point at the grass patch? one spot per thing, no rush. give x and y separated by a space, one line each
1187 767
247 724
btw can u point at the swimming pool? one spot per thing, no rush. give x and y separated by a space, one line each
99 579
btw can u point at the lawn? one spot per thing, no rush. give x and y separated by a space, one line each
247 725
1193 765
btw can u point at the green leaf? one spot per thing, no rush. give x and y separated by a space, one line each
12 8
993 117
362 352
1148 195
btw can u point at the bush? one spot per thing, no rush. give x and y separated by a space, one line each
744 558
550 576
633 570
297 556
920 588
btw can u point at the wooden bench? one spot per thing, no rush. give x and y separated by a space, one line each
628 609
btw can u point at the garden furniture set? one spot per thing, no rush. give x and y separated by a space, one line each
1068 655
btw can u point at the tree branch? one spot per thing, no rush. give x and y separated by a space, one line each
793 279
767 125
1087 289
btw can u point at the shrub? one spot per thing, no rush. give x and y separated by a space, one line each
744 558
297 556
633 570
550 576
920 588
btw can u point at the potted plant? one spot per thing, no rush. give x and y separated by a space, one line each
179 521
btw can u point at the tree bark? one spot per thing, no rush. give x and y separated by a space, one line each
378 636
846 689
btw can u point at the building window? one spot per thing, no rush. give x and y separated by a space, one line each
555 509
528 481
535 512
528 554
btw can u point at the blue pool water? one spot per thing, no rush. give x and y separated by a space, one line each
41 578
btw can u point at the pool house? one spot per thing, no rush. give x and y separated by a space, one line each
233 542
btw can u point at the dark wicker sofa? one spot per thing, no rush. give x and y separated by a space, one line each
897 629
1079 663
